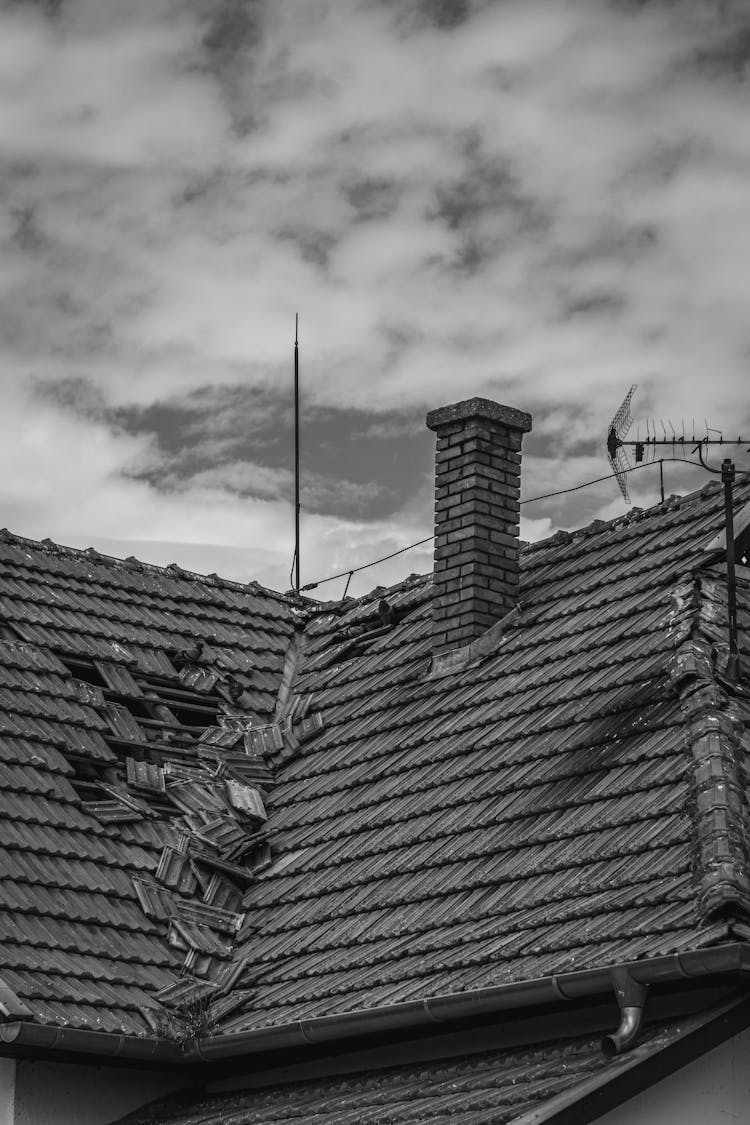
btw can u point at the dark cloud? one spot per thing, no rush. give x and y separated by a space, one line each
400 338
76 394
360 500
234 31
594 304
485 206
234 27
27 234
660 163
314 245
445 15
377 457
729 57
200 189
208 418
608 240
372 198
350 465
50 8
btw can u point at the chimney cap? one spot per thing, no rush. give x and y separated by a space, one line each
479 408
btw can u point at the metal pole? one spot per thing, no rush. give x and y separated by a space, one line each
661 478
733 664
296 455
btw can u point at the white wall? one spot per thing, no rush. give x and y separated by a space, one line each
714 1088
7 1090
68 1094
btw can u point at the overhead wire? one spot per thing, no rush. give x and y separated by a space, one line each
364 566
529 500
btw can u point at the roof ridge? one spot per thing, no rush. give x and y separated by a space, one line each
133 564
634 515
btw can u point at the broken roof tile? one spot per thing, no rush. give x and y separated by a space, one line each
201 939
198 678
240 875
221 736
112 811
247 801
117 678
223 893
153 662
121 723
174 871
206 914
145 775
156 902
184 990
199 795
265 740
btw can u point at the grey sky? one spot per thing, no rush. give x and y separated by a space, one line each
539 202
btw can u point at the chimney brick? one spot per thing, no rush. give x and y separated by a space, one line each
477 493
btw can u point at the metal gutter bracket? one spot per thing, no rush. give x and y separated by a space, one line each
631 997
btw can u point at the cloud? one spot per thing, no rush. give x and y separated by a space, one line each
538 203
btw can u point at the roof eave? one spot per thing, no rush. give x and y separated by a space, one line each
23 1037
732 959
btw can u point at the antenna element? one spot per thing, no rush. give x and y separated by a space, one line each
618 428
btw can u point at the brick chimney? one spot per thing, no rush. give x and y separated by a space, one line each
477 489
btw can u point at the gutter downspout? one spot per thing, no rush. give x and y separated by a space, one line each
631 997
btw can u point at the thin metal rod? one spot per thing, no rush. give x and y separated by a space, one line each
296 454
733 664
661 477
651 439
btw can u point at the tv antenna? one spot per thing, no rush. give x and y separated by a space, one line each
646 447
620 427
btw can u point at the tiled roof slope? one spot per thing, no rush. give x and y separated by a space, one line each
574 799
111 673
495 1086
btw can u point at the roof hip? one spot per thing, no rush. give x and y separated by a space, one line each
713 726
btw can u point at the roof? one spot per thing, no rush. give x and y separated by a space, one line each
560 803
496 1086
306 788
108 668
563 1080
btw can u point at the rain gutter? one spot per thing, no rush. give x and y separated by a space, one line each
721 960
23 1036
483 1002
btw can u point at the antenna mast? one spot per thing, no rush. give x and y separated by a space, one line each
618 459
296 454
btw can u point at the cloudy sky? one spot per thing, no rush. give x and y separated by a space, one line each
540 201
